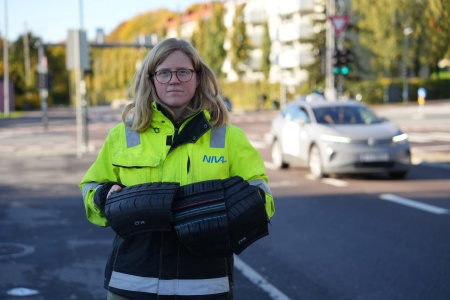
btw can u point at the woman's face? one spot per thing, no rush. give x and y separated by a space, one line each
175 93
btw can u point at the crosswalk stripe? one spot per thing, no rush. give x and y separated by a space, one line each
428 137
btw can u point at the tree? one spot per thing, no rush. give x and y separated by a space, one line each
215 53
316 70
200 38
438 34
381 28
266 46
240 44
378 30
59 91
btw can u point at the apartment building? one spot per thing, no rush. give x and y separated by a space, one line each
290 23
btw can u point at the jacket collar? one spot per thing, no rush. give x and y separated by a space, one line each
190 130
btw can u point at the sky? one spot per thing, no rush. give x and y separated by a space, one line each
52 19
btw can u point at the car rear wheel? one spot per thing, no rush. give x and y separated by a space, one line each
277 156
315 163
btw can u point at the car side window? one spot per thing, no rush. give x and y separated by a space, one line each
304 115
296 113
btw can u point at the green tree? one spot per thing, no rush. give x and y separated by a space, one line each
199 37
59 90
240 44
381 29
316 70
266 46
438 32
209 38
378 30
216 31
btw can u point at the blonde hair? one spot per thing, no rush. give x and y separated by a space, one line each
206 97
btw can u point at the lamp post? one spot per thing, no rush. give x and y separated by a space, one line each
407 31
6 107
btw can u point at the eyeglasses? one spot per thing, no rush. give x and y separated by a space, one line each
183 75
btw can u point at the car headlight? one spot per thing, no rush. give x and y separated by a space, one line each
335 138
400 138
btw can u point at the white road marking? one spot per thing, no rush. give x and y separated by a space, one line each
330 181
415 204
270 165
258 144
283 183
419 138
335 182
440 136
258 280
422 137
431 148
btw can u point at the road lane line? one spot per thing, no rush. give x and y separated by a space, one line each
422 148
270 165
258 144
258 280
330 181
415 204
419 138
283 183
335 182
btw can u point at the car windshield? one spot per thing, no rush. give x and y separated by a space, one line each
343 115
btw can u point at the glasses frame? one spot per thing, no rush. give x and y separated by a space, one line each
176 74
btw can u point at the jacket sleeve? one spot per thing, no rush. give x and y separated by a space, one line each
100 172
247 162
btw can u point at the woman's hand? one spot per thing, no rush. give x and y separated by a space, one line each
114 189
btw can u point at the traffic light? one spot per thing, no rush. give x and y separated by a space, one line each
43 80
341 61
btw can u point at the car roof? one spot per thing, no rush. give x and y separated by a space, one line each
325 103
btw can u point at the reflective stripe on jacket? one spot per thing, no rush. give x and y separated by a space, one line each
156 263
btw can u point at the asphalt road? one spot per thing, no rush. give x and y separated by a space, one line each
48 249
330 239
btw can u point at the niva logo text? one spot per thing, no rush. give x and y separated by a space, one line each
212 159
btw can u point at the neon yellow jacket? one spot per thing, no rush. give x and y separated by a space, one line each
197 152
155 263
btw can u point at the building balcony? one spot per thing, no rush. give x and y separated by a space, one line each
294 31
295 58
287 7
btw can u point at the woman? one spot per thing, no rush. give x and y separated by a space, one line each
178 132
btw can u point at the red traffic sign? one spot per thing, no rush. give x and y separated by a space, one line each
339 23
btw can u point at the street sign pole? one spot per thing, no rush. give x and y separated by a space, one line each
77 59
339 23
42 83
330 92
6 94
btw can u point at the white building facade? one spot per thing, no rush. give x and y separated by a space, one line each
290 24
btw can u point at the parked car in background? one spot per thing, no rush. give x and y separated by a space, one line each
338 137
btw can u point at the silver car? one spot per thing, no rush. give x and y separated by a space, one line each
338 137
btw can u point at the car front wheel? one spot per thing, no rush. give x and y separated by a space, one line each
315 163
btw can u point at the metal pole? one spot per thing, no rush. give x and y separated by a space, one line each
81 14
330 92
340 45
79 114
407 31
6 66
43 89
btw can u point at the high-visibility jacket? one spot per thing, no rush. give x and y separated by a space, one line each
155 265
